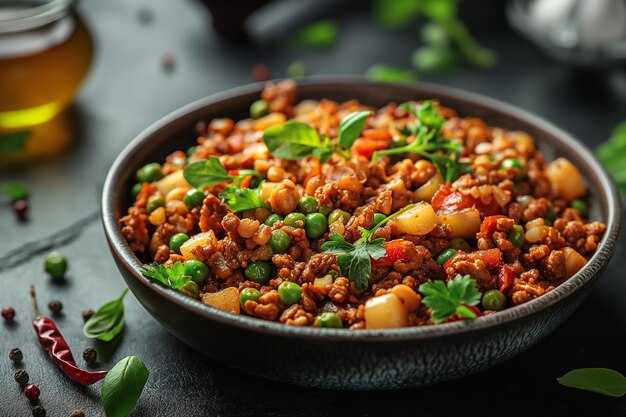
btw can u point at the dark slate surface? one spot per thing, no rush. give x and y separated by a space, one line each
127 90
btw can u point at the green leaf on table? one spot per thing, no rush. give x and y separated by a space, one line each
600 380
14 191
390 73
123 386
445 301
435 58
240 199
350 128
13 143
612 154
206 172
108 321
173 277
396 14
292 140
433 34
321 34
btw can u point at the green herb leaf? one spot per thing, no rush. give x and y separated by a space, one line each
396 14
14 191
173 277
350 128
612 155
206 172
320 34
435 59
600 380
444 300
123 386
433 34
292 140
240 199
390 73
13 143
107 322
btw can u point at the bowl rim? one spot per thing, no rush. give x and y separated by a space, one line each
598 261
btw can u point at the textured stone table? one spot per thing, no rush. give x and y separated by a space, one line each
127 90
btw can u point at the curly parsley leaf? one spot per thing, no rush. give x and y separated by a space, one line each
445 301
599 380
14 191
206 172
173 277
240 199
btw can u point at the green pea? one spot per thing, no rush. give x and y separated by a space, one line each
398 142
191 289
333 273
249 293
446 255
273 218
190 151
308 204
289 292
154 202
55 264
459 243
494 300
193 198
337 214
280 241
328 319
134 192
259 109
513 163
258 271
177 240
316 225
516 235
326 209
295 220
581 206
379 217
150 172
197 270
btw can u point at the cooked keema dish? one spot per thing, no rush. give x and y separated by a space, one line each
326 214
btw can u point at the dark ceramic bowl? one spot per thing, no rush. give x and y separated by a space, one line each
367 359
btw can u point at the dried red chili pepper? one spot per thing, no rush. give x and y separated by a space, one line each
58 349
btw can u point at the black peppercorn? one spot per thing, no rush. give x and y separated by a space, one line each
87 314
90 355
39 411
16 355
77 413
21 377
55 306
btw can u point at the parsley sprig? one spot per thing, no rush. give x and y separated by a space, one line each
173 277
429 142
295 140
445 301
354 259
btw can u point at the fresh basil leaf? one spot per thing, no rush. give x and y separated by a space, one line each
14 191
350 128
207 172
123 386
320 34
292 140
240 199
13 143
108 321
390 73
600 380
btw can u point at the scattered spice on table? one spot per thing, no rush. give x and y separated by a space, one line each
145 15
77 413
32 392
90 356
21 377
16 355
87 314
20 208
57 348
55 307
18 194
39 411
8 314
167 60
55 264
260 72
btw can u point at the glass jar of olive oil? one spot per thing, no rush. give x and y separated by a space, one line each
45 53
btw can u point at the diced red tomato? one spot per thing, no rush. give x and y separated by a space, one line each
366 147
488 225
448 263
396 251
446 201
506 277
491 257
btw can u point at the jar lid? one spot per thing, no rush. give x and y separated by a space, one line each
19 16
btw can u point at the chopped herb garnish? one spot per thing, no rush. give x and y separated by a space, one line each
14 191
429 142
600 380
173 277
445 301
354 259
296 140
13 143
240 199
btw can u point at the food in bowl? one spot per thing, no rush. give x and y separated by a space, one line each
326 214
